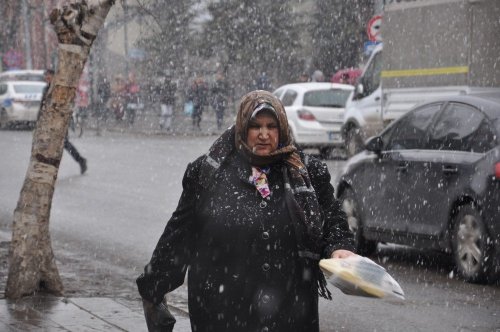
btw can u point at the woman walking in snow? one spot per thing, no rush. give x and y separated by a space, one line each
255 217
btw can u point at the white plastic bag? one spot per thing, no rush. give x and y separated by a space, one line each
188 108
358 275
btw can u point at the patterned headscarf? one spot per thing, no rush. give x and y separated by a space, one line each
251 103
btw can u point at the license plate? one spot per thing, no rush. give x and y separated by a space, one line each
333 136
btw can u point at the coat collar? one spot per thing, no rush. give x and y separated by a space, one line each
216 156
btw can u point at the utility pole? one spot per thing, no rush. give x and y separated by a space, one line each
27 35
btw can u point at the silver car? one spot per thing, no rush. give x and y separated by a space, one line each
20 102
315 112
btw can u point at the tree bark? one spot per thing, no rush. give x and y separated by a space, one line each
32 265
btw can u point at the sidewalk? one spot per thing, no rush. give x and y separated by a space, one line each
48 313
107 312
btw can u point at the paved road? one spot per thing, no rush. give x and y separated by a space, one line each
117 211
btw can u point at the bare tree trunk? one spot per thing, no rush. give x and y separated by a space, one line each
32 264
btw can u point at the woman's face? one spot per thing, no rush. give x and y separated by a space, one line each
263 134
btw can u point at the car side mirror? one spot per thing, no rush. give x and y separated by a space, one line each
374 144
360 90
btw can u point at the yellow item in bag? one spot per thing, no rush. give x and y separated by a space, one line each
360 276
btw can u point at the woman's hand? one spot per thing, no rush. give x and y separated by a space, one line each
341 253
158 317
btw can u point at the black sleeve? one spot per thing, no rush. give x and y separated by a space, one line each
336 233
171 257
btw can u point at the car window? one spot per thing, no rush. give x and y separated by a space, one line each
371 77
484 139
289 98
462 128
28 88
326 98
410 132
3 89
278 93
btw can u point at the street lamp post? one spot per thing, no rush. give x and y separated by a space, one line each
125 35
27 35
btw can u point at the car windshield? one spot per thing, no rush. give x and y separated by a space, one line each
28 88
326 98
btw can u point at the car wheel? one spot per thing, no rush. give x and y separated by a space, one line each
472 246
351 208
353 142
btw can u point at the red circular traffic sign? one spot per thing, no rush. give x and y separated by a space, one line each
13 59
373 28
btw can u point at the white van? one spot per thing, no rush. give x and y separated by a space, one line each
363 112
432 49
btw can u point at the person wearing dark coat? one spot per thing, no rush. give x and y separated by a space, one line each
255 217
103 95
220 91
198 95
166 94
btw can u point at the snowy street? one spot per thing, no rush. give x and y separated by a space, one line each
118 209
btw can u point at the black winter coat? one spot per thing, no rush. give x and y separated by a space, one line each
198 95
219 95
244 271
166 92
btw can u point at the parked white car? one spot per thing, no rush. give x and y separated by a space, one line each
23 75
315 112
19 102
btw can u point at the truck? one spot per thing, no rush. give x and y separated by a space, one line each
430 48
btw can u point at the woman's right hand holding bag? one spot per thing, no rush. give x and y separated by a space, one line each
158 317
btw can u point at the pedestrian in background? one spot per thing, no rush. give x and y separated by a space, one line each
317 76
263 82
118 97
103 95
303 78
49 75
132 100
198 95
255 217
219 98
82 102
166 90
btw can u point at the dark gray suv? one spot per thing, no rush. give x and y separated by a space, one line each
432 180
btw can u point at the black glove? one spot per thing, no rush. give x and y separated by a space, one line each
158 317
